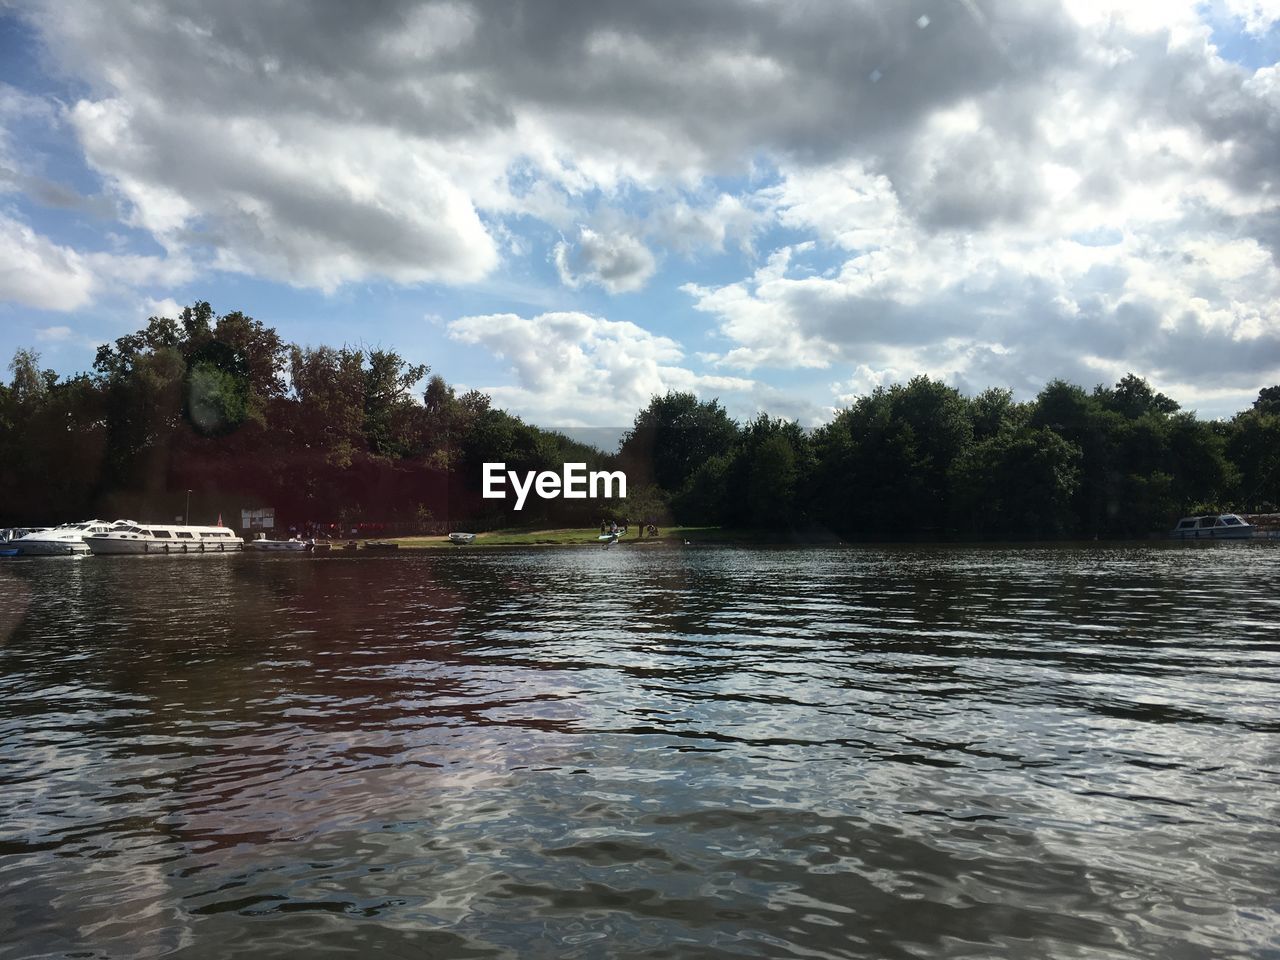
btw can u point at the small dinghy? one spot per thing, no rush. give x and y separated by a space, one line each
461 537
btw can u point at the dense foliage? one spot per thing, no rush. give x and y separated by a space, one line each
222 407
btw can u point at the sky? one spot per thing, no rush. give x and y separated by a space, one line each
574 206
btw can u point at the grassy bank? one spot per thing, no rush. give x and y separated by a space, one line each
562 536
589 536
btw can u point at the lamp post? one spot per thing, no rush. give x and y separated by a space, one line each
187 521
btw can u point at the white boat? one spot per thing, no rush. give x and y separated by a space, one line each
462 537
265 545
163 538
10 536
69 539
1213 526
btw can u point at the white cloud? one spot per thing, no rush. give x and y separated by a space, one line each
165 307
619 263
59 334
694 229
1023 189
294 199
37 272
574 369
16 106
1259 16
61 337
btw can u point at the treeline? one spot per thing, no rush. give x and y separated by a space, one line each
921 460
222 407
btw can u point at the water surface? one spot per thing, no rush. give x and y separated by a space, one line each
870 752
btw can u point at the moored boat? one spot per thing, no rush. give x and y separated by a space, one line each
69 539
462 537
164 538
9 537
264 545
1213 526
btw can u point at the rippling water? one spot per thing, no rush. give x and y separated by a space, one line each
880 752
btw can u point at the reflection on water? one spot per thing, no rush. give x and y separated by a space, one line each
889 752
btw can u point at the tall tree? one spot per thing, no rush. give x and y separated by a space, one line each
674 435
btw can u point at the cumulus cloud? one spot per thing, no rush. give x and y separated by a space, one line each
693 229
319 147
999 189
165 307
1200 310
1259 16
37 272
619 263
574 369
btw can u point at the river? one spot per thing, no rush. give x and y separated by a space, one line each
881 752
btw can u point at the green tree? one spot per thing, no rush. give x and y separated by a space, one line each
883 464
1017 484
672 436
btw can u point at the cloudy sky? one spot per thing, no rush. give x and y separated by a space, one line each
575 205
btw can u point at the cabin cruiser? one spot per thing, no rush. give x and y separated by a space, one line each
164 538
1213 526
65 540
9 537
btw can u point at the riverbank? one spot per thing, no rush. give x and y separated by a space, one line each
590 536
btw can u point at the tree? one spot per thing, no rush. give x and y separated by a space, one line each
883 464
28 382
1133 397
673 436
1017 484
391 428
1268 400
329 412
1254 447
994 411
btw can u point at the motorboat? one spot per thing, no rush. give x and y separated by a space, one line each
163 538
263 545
461 537
69 539
9 536
1213 526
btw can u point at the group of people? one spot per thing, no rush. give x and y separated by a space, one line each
618 528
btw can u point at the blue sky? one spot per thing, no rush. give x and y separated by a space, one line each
575 207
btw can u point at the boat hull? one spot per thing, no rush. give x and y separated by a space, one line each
107 548
1215 533
276 546
50 548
